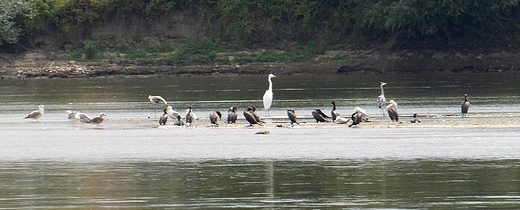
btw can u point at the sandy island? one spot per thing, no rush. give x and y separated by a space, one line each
473 120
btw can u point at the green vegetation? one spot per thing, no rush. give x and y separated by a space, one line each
13 14
293 30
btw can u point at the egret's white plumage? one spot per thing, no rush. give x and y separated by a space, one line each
36 114
268 95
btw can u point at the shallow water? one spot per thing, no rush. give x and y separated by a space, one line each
131 163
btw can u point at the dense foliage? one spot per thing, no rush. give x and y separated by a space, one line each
12 15
310 23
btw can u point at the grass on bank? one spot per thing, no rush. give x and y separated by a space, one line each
193 53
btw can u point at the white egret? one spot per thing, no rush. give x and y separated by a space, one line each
268 95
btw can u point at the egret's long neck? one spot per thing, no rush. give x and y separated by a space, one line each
382 91
270 84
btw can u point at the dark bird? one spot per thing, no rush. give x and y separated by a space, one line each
319 116
179 121
292 116
465 105
334 113
392 111
156 100
97 120
214 117
190 116
249 114
256 115
36 114
359 116
415 118
232 115
164 118
381 100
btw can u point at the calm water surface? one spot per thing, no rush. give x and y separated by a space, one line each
133 164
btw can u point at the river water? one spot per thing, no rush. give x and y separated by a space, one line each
130 163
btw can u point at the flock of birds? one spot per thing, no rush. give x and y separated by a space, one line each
358 116
71 115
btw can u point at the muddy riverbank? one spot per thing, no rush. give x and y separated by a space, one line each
38 65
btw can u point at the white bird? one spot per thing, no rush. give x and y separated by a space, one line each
381 101
392 111
172 113
334 113
341 120
71 116
268 95
82 118
359 116
156 100
36 113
